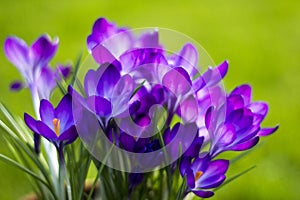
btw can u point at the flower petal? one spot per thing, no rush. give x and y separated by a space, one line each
244 91
43 50
99 105
177 81
267 131
47 112
69 135
45 131
188 59
203 194
245 145
63 112
16 50
30 122
109 77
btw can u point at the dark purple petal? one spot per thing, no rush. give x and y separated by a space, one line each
102 30
16 50
235 102
43 50
108 79
99 105
208 117
45 131
30 122
47 112
37 143
190 179
185 163
246 145
203 194
213 181
158 93
16 85
69 135
215 167
63 112
128 142
194 149
244 91
235 116
177 81
170 134
201 163
267 131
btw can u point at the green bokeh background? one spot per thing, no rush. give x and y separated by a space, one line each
260 38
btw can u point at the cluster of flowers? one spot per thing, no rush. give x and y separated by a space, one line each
136 73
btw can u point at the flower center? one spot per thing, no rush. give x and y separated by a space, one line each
198 175
56 124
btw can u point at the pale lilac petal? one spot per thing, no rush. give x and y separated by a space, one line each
188 109
177 81
45 82
188 59
16 50
213 75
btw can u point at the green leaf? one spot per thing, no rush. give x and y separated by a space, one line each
76 69
235 177
22 168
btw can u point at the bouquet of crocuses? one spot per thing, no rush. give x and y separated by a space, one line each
152 124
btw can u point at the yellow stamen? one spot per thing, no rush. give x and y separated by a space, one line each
56 124
198 175
135 138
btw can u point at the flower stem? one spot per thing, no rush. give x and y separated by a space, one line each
63 174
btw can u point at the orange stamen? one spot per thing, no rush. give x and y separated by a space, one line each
56 125
198 175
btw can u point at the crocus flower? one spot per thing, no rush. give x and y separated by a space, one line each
236 126
56 124
30 60
203 174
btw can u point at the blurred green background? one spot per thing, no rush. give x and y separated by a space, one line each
260 38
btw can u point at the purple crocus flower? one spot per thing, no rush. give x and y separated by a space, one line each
203 174
236 126
30 60
56 124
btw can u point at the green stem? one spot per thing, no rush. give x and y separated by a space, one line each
63 174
